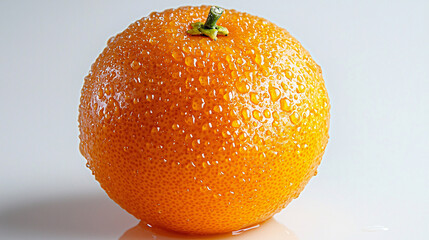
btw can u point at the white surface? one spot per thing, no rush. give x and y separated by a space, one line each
374 55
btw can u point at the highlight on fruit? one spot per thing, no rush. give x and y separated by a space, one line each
200 136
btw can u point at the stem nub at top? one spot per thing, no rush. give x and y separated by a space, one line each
209 28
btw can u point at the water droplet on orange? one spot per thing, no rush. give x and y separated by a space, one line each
254 98
206 126
242 87
236 123
189 61
242 136
155 130
275 123
242 149
276 115
289 74
285 105
267 113
135 65
177 55
257 115
284 86
225 133
275 93
204 81
196 143
246 114
294 118
217 108
188 137
300 88
259 59
227 96
198 103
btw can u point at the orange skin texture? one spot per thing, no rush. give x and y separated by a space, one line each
200 136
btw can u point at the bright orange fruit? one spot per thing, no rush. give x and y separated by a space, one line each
203 136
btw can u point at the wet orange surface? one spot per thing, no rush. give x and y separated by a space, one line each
203 136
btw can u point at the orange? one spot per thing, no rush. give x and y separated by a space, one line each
202 136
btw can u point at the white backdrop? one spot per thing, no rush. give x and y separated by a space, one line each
373 181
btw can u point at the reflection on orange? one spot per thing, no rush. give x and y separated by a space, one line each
269 230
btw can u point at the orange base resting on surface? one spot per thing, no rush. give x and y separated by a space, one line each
270 229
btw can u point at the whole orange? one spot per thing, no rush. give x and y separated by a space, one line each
202 136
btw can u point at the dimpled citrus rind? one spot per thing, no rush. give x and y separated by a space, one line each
203 136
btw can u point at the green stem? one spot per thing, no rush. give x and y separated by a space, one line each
209 28
214 15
